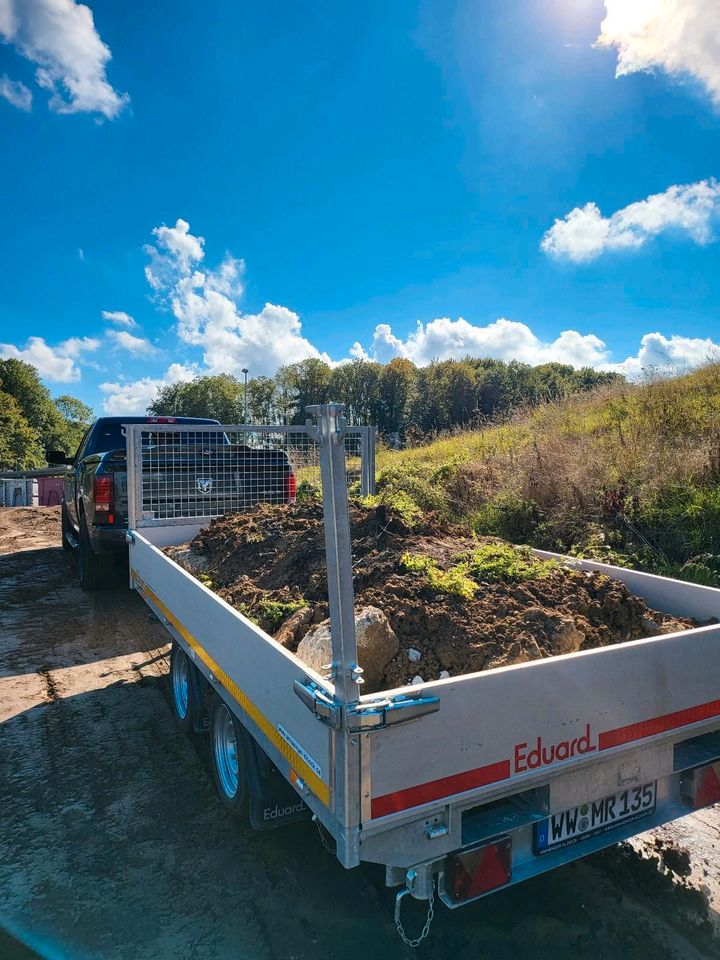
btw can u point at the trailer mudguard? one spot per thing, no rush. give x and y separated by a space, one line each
272 801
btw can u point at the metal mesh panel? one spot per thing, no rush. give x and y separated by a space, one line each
179 473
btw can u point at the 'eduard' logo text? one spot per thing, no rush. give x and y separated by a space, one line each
542 756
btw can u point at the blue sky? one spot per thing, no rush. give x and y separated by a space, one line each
194 188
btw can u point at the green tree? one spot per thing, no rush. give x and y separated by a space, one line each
303 383
21 381
261 399
398 383
19 445
58 425
219 397
77 417
357 385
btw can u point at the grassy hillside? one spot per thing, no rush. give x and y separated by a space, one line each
628 473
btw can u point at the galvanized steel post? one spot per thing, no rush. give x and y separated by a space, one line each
346 675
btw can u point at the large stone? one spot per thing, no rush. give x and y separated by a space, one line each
566 638
377 644
194 563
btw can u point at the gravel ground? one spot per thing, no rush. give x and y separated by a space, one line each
113 845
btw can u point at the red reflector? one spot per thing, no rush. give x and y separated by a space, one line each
475 872
290 487
706 786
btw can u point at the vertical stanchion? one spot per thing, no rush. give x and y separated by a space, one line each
133 461
364 462
372 446
346 675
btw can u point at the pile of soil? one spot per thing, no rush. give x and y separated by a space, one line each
270 561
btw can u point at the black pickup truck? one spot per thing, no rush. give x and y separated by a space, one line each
193 475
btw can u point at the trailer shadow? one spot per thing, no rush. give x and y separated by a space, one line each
49 623
115 845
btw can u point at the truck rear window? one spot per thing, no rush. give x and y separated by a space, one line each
111 436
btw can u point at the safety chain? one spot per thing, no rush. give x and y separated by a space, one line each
428 920
323 838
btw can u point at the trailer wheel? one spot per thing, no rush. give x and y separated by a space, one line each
228 761
181 688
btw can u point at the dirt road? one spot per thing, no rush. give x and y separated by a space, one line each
113 845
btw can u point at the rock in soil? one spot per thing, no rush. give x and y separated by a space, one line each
376 645
270 563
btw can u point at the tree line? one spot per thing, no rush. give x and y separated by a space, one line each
32 422
399 398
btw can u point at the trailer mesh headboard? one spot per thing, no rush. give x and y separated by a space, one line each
181 473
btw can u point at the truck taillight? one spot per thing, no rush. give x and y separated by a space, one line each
702 786
103 497
290 487
475 872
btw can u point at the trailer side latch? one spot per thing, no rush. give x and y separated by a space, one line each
365 717
325 707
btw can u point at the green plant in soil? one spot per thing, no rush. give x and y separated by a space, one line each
502 562
272 613
269 614
454 581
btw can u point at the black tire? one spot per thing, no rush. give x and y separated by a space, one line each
228 763
181 688
65 528
94 571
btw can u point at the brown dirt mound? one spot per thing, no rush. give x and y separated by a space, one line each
270 561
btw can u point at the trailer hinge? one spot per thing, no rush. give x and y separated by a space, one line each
365 717
324 706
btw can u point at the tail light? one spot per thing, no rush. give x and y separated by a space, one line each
103 497
475 872
290 487
702 786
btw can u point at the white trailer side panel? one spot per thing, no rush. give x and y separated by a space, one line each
254 671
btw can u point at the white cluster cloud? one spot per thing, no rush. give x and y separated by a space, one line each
585 234
680 37
133 398
446 339
674 354
15 93
56 364
120 318
205 306
59 36
138 346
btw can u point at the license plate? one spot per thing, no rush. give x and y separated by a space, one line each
593 818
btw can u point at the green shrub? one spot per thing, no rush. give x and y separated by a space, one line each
687 518
307 491
507 515
415 486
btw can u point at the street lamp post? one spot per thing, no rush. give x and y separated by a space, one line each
246 371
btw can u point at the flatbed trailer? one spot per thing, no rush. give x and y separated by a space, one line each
459 786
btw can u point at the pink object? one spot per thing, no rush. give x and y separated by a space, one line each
49 491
